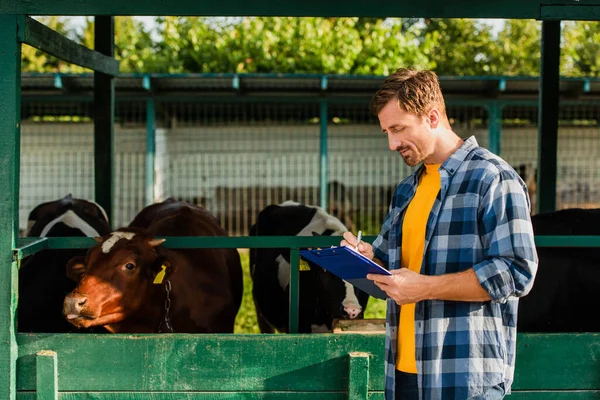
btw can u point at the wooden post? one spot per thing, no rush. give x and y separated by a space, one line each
104 107
46 372
548 117
10 110
358 376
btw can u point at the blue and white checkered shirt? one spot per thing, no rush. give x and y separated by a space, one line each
479 220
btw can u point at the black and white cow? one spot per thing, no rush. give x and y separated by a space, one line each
564 295
323 297
43 282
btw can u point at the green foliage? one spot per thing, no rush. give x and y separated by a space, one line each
517 50
581 48
363 46
459 46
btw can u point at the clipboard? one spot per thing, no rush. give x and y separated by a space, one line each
349 265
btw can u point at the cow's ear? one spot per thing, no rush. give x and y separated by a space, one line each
156 242
76 268
161 268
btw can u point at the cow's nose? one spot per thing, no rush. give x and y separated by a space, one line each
74 304
352 312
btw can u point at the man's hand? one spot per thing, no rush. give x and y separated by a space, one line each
364 248
403 286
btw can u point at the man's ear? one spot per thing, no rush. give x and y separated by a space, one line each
76 268
434 118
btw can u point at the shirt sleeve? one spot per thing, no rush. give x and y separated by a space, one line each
511 260
381 243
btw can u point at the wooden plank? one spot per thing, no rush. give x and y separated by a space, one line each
200 396
46 375
557 362
571 12
541 395
49 41
182 242
333 8
10 110
548 117
358 384
576 3
558 395
29 246
201 362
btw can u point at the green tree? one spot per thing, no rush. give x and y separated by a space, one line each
580 53
517 49
459 46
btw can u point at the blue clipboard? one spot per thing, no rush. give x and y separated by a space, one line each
349 265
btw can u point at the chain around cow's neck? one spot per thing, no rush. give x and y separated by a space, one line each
165 325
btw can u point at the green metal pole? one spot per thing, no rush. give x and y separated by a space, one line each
104 111
294 289
548 117
10 110
323 154
150 149
495 127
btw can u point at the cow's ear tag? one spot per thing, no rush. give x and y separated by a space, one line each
158 279
303 266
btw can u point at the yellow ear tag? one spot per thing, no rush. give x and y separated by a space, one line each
303 266
160 276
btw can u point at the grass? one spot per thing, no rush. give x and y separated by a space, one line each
246 318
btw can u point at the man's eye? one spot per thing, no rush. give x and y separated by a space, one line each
129 266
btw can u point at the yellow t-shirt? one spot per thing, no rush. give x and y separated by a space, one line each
413 246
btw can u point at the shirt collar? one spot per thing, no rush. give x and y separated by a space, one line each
453 162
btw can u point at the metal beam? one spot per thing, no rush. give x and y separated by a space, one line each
10 122
104 111
49 41
570 12
548 117
150 149
323 154
529 9
495 127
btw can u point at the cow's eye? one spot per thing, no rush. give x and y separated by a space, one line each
129 266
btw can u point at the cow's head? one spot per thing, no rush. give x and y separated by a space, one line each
115 279
67 217
331 297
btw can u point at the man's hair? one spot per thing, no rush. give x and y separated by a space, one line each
416 92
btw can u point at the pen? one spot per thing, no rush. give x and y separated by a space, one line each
358 239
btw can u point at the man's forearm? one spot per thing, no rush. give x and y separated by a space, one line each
461 286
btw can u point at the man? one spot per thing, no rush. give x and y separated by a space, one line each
459 242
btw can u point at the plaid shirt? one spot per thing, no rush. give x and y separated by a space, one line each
479 220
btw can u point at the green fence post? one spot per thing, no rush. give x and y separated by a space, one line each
323 147
150 148
46 373
294 289
495 127
358 376
10 110
104 114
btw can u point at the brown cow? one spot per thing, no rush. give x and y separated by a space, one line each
122 285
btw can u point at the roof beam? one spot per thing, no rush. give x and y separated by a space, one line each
527 9
49 41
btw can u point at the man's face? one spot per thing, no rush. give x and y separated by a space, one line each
411 136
